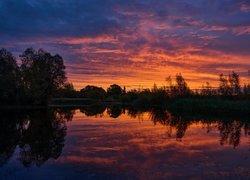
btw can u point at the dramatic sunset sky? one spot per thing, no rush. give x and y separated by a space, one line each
135 43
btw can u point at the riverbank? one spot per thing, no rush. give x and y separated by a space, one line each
184 105
181 105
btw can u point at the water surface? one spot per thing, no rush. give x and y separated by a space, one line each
116 143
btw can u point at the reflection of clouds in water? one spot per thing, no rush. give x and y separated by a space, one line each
139 148
176 125
157 141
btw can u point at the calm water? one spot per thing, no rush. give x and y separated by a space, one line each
115 143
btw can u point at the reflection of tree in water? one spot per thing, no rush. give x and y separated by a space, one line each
115 111
230 131
43 139
65 113
93 110
134 113
167 119
8 136
40 136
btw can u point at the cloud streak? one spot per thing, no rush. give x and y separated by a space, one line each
133 43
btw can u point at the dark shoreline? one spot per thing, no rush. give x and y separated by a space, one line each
204 106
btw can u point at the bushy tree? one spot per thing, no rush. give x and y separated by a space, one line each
93 92
43 75
8 77
181 88
229 85
68 91
181 85
234 82
223 85
114 90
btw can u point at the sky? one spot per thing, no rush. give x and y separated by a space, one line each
134 43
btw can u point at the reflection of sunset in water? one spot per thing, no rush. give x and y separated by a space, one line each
149 150
151 144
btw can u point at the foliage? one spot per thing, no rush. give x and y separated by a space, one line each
114 90
8 77
229 86
179 89
39 77
93 92
43 75
68 91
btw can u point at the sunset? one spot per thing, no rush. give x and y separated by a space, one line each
124 89
133 43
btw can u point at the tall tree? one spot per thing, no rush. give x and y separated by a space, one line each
43 75
181 86
234 81
224 89
8 77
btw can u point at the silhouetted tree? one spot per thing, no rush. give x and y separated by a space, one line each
181 88
124 90
114 90
234 81
93 92
8 77
68 91
224 88
43 75
229 86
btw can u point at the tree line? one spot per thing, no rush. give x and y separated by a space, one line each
40 76
229 88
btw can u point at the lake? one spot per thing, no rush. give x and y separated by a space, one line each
118 143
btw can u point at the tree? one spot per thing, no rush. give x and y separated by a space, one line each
234 81
229 86
68 91
43 75
114 90
223 86
93 92
181 86
8 77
